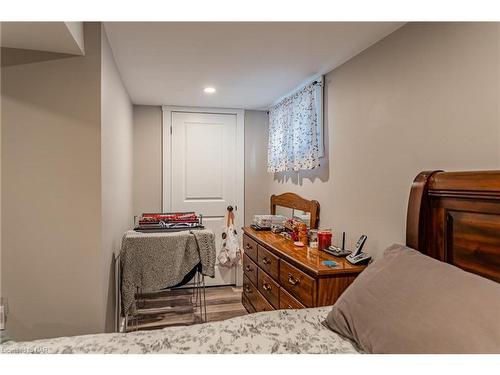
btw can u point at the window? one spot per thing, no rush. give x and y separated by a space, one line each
296 130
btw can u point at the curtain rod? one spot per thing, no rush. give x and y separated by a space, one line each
315 82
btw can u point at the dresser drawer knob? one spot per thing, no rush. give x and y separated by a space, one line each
247 289
266 260
292 280
248 246
248 268
266 287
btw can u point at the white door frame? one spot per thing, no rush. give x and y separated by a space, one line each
239 157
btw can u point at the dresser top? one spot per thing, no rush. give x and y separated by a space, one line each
310 260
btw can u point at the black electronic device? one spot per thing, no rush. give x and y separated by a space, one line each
338 251
357 256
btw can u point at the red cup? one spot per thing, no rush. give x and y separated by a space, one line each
324 239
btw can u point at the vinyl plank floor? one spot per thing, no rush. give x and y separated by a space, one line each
174 308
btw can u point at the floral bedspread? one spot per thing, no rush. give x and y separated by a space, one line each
281 331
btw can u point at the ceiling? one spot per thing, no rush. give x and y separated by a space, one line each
251 65
61 37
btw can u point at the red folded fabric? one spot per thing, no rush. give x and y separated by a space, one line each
189 217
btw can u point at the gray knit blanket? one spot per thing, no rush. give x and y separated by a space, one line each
153 261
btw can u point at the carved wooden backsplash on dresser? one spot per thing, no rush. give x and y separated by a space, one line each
279 275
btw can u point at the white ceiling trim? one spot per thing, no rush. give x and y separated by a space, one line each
59 37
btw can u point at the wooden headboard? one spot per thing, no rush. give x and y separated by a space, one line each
455 217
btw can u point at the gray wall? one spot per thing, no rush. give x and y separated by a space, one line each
116 172
51 189
425 97
67 180
147 182
257 180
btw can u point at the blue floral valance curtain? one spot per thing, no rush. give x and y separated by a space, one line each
293 132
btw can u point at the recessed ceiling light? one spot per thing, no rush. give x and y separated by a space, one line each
209 90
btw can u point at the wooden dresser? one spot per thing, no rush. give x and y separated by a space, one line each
279 275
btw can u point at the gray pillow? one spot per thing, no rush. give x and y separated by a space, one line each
407 302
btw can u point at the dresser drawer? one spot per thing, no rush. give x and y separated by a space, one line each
253 296
297 283
246 303
261 304
268 262
249 290
288 302
250 269
250 247
269 288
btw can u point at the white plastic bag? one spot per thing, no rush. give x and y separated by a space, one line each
230 253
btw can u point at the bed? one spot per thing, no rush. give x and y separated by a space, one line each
280 331
453 217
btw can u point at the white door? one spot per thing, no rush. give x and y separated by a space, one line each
204 172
